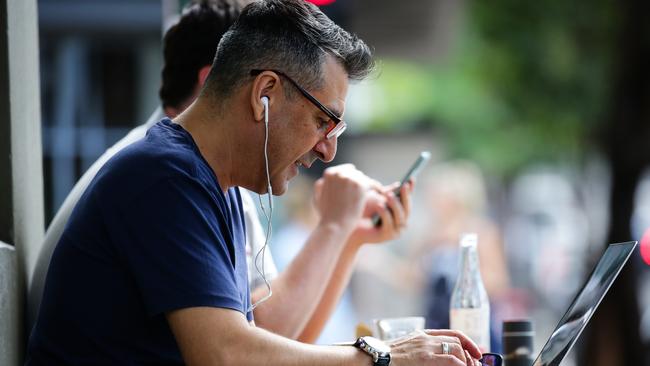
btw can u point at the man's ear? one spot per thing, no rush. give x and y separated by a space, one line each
203 74
266 84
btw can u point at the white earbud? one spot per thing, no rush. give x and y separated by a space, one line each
265 102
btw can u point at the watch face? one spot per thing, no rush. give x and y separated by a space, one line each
377 344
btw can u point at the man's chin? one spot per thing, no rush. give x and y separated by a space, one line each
279 190
281 183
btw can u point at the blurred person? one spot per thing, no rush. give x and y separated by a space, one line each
547 231
547 235
458 203
115 289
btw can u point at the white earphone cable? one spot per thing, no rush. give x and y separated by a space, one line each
269 216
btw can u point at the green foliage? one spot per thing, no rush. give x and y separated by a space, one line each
526 82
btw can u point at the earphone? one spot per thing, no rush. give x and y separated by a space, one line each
265 102
269 227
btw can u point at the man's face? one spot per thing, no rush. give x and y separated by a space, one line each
298 131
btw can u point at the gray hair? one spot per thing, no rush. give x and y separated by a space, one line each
293 36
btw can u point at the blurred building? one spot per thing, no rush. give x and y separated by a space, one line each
100 73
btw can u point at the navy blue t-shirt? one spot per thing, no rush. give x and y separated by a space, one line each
153 232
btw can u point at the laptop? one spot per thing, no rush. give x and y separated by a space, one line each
582 308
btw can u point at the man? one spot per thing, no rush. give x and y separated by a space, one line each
304 295
151 267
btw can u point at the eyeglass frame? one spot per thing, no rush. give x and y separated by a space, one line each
339 125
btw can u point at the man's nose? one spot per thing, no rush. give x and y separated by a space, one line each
326 149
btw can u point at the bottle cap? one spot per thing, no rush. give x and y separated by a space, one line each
468 239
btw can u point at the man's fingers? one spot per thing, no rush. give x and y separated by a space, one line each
399 216
375 203
453 348
470 360
464 340
386 217
405 196
448 360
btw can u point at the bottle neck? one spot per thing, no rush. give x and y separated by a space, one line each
469 292
470 272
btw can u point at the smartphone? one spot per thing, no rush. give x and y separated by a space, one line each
411 173
491 359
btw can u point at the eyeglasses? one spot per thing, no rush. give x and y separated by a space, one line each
337 125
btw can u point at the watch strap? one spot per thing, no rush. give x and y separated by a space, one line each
379 358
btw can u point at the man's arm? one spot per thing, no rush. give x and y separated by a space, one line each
217 336
393 220
307 292
210 336
297 289
343 196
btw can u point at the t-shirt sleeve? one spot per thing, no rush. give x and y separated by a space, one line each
177 245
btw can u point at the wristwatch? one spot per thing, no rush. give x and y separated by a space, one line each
378 350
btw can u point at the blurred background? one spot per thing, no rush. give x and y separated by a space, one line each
536 113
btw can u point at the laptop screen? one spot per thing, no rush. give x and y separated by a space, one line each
583 307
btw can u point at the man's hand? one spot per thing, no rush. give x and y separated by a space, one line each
341 195
346 196
425 348
393 210
346 200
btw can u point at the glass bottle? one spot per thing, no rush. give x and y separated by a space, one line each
470 306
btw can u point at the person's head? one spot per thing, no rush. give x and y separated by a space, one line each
189 47
275 48
457 190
